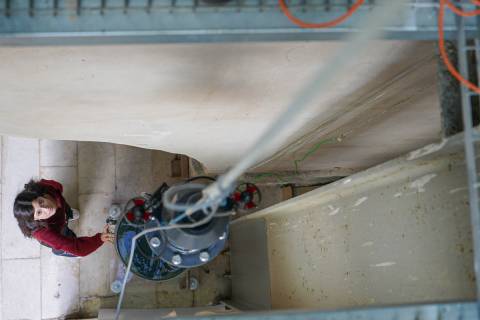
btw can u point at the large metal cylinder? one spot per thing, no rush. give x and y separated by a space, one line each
162 255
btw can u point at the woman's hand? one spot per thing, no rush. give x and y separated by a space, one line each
106 235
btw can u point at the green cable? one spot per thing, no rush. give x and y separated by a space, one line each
312 151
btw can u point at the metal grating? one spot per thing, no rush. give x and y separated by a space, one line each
79 7
76 22
445 311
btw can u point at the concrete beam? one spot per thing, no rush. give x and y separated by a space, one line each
394 234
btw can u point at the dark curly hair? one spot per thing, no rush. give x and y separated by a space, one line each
23 208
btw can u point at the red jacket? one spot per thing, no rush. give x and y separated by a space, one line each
51 235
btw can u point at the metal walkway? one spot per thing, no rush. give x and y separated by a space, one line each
63 22
447 311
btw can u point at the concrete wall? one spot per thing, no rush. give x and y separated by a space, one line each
396 233
212 101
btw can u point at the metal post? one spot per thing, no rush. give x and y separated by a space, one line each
470 153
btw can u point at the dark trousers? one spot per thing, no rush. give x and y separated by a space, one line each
67 232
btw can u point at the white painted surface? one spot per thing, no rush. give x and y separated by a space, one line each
60 275
420 183
95 268
134 172
20 164
431 148
384 264
96 168
21 284
60 285
1 279
57 153
360 201
1 209
97 172
212 101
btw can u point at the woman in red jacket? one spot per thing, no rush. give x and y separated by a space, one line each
42 213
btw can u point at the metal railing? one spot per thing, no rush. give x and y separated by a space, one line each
466 47
79 7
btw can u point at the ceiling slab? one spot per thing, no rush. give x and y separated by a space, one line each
211 101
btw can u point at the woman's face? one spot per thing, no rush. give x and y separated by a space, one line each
44 207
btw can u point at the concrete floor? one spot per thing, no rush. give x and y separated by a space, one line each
94 175
46 286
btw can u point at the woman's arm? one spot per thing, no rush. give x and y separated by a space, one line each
81 246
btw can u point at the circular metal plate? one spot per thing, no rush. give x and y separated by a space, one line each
146 263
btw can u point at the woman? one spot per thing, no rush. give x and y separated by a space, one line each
42 213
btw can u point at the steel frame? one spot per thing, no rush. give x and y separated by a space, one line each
64 22
471 134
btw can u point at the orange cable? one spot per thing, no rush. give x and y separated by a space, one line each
327 24
441 34
460 12
441 45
